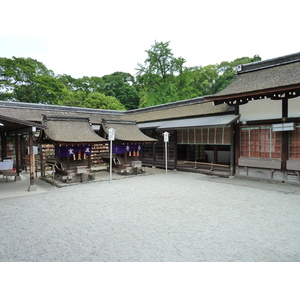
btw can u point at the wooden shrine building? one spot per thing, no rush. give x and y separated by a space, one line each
129 144
251 128
14 133
73 138
266 97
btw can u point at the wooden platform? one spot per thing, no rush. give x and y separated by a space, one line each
204 168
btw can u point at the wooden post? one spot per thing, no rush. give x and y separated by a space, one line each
284 139
31 187
175 149
215 154
22 149
154 155
42 159
232 152
89 157
17 152
3 145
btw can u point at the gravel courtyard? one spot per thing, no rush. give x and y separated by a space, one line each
174 217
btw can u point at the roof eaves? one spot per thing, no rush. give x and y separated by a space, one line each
22 122
39 106
166 105
269 63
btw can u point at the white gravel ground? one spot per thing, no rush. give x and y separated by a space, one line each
174 217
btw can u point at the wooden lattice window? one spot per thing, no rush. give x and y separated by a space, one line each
295 143
260 142
205 136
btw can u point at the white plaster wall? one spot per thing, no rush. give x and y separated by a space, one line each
263 109
266 109
294 107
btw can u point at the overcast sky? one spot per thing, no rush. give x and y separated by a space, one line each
95 38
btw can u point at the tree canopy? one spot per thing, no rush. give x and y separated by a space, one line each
161 78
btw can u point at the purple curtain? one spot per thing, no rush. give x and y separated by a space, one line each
65 151
121 149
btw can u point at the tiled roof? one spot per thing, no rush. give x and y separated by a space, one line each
179 111
126 131
265 76
70 130
34 112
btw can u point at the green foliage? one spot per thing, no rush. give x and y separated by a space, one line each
162 78
27 80
227 71
121 86
98 100
157 77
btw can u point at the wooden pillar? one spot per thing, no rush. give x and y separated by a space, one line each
232 151
284 138
154 155
17 152
42 159
3 145
89 157
284 109
215 154
175 149
237 109
32 186
22 150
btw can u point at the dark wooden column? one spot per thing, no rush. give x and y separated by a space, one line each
32 186
154 155
232 151
22 149
175 149
284 137
3 146
215 154
17 151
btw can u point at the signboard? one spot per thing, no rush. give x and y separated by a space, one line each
111 134
166 136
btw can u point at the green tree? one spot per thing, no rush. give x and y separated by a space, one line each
27 80
98 100
199 81
122 86
227 71
157 76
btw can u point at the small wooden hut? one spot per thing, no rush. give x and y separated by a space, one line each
127 146
73 138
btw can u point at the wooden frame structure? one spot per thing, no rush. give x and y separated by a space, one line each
18 130
266 96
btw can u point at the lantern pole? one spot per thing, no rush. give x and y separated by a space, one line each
111 137
166 140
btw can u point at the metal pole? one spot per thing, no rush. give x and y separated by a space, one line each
110 161
166 155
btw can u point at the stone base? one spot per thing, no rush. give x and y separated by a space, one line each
32 188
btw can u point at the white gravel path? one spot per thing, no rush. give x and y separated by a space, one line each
170 217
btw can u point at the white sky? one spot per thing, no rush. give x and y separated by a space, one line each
95 38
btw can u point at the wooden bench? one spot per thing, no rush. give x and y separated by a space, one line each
9 173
